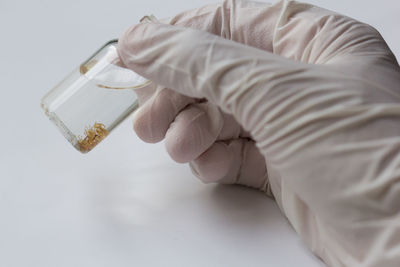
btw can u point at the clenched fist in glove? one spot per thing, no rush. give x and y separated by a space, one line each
292 99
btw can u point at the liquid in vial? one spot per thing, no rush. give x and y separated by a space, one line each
93 99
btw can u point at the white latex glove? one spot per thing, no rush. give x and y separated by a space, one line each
317 92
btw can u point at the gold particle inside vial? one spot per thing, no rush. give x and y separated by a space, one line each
86 67
93 136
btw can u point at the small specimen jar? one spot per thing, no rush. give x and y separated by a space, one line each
91 101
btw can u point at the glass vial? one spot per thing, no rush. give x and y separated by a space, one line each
90 102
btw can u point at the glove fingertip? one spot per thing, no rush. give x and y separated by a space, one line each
133 42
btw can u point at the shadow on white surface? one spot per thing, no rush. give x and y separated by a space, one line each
186 223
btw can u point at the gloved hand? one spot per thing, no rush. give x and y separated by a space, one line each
303 94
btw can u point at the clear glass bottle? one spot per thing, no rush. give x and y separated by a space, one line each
93 99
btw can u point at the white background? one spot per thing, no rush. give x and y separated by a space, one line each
125 203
